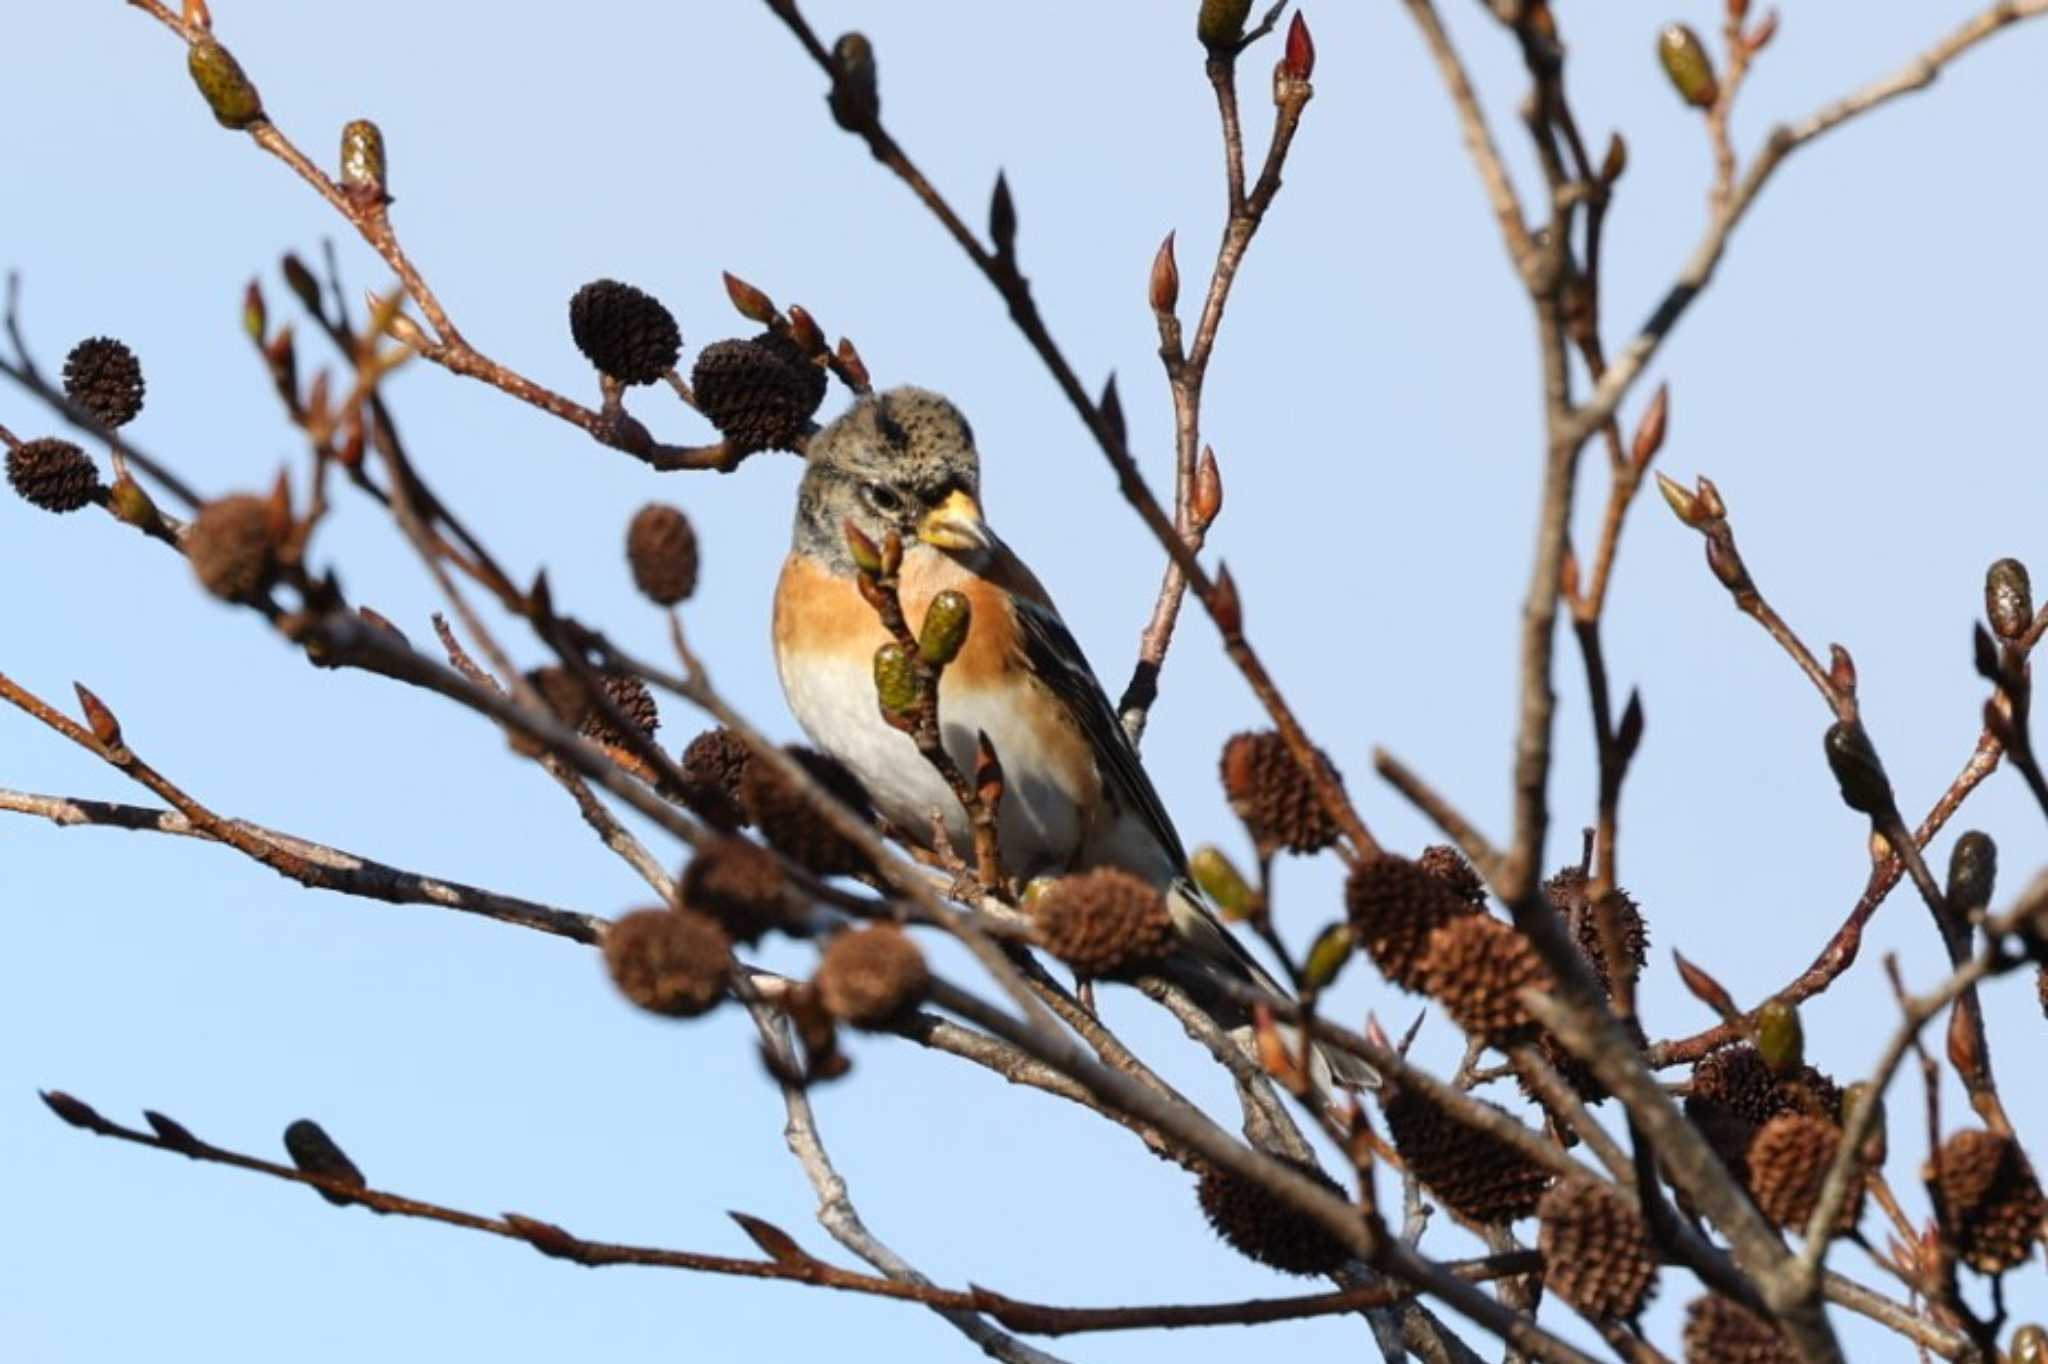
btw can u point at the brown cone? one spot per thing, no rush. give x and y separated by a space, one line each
624 331
1105 922
1476 1175
1474 965
739 884
1720 1330
1262 1226
1734 1093
232 547
1597 1252
793 826
869 975
1395 906
1788 1162
1994 1203
103 376
1448 865
759 393
571 703
53 474
713 764
668 961
1273 796
662 550
1566 892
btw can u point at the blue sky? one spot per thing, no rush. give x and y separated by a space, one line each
1856 382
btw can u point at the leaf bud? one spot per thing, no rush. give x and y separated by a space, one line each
1165 282
748 301
1327 955
1002 219
1859 773
362 163
1220 24
1687 65
1223 883
1972 871
226 88
2008 599
855 100
1780 1039
897 684
944 630
1300 60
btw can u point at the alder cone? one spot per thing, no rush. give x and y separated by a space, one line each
1273 796
1993 1199
1720 1330
1449 866
868 976
1474 965
1262 1226
759 392
232 548
712 765
1788 1163
661 549
738 883
1477 1175
1734 1093
1566 892
1105 922
1395 905
53 474
796 828
1597 1251
668 961
624 331
103 376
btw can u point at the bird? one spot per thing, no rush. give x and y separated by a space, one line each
1076 796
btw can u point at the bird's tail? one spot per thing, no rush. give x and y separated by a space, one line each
1214 954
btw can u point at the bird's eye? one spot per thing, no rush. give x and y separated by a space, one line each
881 498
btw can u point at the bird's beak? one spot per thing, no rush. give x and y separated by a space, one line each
955 524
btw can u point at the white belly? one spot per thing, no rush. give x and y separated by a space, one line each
1039 825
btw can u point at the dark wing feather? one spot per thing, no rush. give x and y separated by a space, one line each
1056 658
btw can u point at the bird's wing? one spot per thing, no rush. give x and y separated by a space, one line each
1056 658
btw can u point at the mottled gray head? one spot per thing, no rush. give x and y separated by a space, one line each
900 461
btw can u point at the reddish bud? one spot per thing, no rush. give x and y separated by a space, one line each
1964 1053
777 1244
750 302
74 1111
1630 735
1208 490
892 554
804 330
1650 430
545 1237
1841 670
1300 61
1766 29
988 771
105 727
197 15
1616 160
1224 605
1705 988
1710 499
852 368
255 317
1738 9
1568 575
1682 503
1165 285
170 1131
867 555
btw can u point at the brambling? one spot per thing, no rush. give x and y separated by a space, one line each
1075 794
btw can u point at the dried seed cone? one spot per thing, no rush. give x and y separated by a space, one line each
624 331
661 547
867 976
571 703
1448 865
232 547
1473 965
1396 905
1476 1175
1788 1163
1105 922
737 883
1566 892
1994 1202
668 961
793 826
53 474
1273 796
1720 1330
759 393
1734 1093
1262 1226
1597 1252
103 376
713 764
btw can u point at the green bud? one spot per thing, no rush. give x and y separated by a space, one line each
1221 881
131 504
1220 23
1687 64
1780 1039
1972 869
2008 599
897 685
867 557
2029 1346
1865 788
222 82
945 627
855 99
362 161
1332 948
